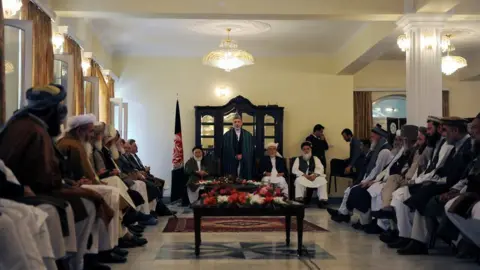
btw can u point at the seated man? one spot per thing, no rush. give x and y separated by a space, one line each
357 158
376 160
310 174
272 169
444 178
196 169
36 165
145 170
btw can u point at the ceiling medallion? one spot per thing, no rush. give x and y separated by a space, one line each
228 57
237 28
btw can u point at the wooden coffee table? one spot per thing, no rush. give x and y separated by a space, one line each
294 209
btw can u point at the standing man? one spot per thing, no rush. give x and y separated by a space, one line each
357 157
238 151
319 144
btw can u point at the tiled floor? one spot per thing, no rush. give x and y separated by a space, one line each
341 248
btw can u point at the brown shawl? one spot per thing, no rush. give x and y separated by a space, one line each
77 157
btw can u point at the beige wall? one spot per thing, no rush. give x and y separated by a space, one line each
391 74
151 85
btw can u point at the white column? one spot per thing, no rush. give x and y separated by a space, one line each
424 74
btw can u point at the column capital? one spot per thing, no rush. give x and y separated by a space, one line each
423 20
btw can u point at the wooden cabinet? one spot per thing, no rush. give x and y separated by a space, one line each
264 122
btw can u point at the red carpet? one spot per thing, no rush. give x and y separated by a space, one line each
238 224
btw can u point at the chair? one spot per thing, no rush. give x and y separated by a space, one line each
337 168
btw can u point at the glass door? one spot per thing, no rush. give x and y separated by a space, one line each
63 75
91 95
18 63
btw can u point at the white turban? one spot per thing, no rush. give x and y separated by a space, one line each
272 145
80 120
398 133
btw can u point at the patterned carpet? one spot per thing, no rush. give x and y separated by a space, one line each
237 224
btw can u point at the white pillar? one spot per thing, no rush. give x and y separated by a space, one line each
424 74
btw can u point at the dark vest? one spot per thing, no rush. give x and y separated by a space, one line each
303 166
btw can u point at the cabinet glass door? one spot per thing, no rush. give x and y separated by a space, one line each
18 63
207 131
269 129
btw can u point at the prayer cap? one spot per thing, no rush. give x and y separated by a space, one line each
110 133
434 119
410 132
306 143
80 120
380 131
423 130
272 144
99 128
454 121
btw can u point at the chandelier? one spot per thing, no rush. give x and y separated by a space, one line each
403 42
11 7
9 68
228 57
451 63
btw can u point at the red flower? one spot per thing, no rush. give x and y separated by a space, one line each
204 195
268 194
244 182
268 199
263 191
278 192
223 192
233 198
210 201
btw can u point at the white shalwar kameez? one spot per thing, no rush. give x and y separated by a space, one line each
277 181
302 183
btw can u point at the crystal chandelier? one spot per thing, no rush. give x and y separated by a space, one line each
11 7
228 57
9 68
451 63
403 42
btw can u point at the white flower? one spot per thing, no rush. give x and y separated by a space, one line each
279 200
222 199
257 199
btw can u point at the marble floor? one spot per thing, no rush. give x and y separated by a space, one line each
340 248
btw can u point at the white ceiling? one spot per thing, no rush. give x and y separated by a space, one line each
175 37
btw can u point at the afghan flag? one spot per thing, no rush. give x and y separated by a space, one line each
179 180
177 159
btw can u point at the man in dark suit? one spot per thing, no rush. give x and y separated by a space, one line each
319 144
131 153
356 160
444 179
272 168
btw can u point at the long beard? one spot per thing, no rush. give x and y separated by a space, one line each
198 158
115 152
307 156
98 145
88 148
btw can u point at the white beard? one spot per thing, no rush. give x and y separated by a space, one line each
88 148
307 156
98 145
115 152
198 159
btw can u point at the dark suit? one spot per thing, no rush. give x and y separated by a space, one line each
266 165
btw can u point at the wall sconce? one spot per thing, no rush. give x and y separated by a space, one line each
403 42
57 41
85 65
9 68
428 42
222 91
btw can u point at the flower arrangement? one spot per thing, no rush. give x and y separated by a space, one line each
263 196
224 180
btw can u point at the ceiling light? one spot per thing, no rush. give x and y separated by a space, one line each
9 68
57 41
403 42
445 43
228 57
451 63
11 7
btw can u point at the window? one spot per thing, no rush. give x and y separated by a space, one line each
393 106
